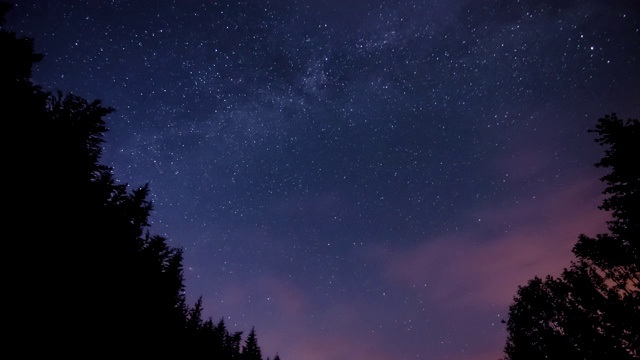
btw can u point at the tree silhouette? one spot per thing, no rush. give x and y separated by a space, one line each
93 280
592 311
251 350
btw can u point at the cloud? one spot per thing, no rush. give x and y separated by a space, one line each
505 248
296 328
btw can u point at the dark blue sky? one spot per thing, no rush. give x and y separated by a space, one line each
357 181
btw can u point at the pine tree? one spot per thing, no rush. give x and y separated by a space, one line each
592 311
102 284
251 350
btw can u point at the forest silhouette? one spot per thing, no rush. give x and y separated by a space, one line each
90 278
592 310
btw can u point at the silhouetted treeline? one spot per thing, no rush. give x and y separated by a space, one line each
87 278
592 310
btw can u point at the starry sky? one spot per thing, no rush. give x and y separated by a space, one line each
356 179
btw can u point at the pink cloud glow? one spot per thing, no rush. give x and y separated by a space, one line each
535 238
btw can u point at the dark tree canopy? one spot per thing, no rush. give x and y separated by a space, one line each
592 311
251 350
89 277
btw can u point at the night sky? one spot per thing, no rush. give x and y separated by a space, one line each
356 179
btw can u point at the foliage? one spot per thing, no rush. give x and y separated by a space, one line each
592 311
92 279
251 350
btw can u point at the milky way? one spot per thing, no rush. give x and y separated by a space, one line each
357 181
